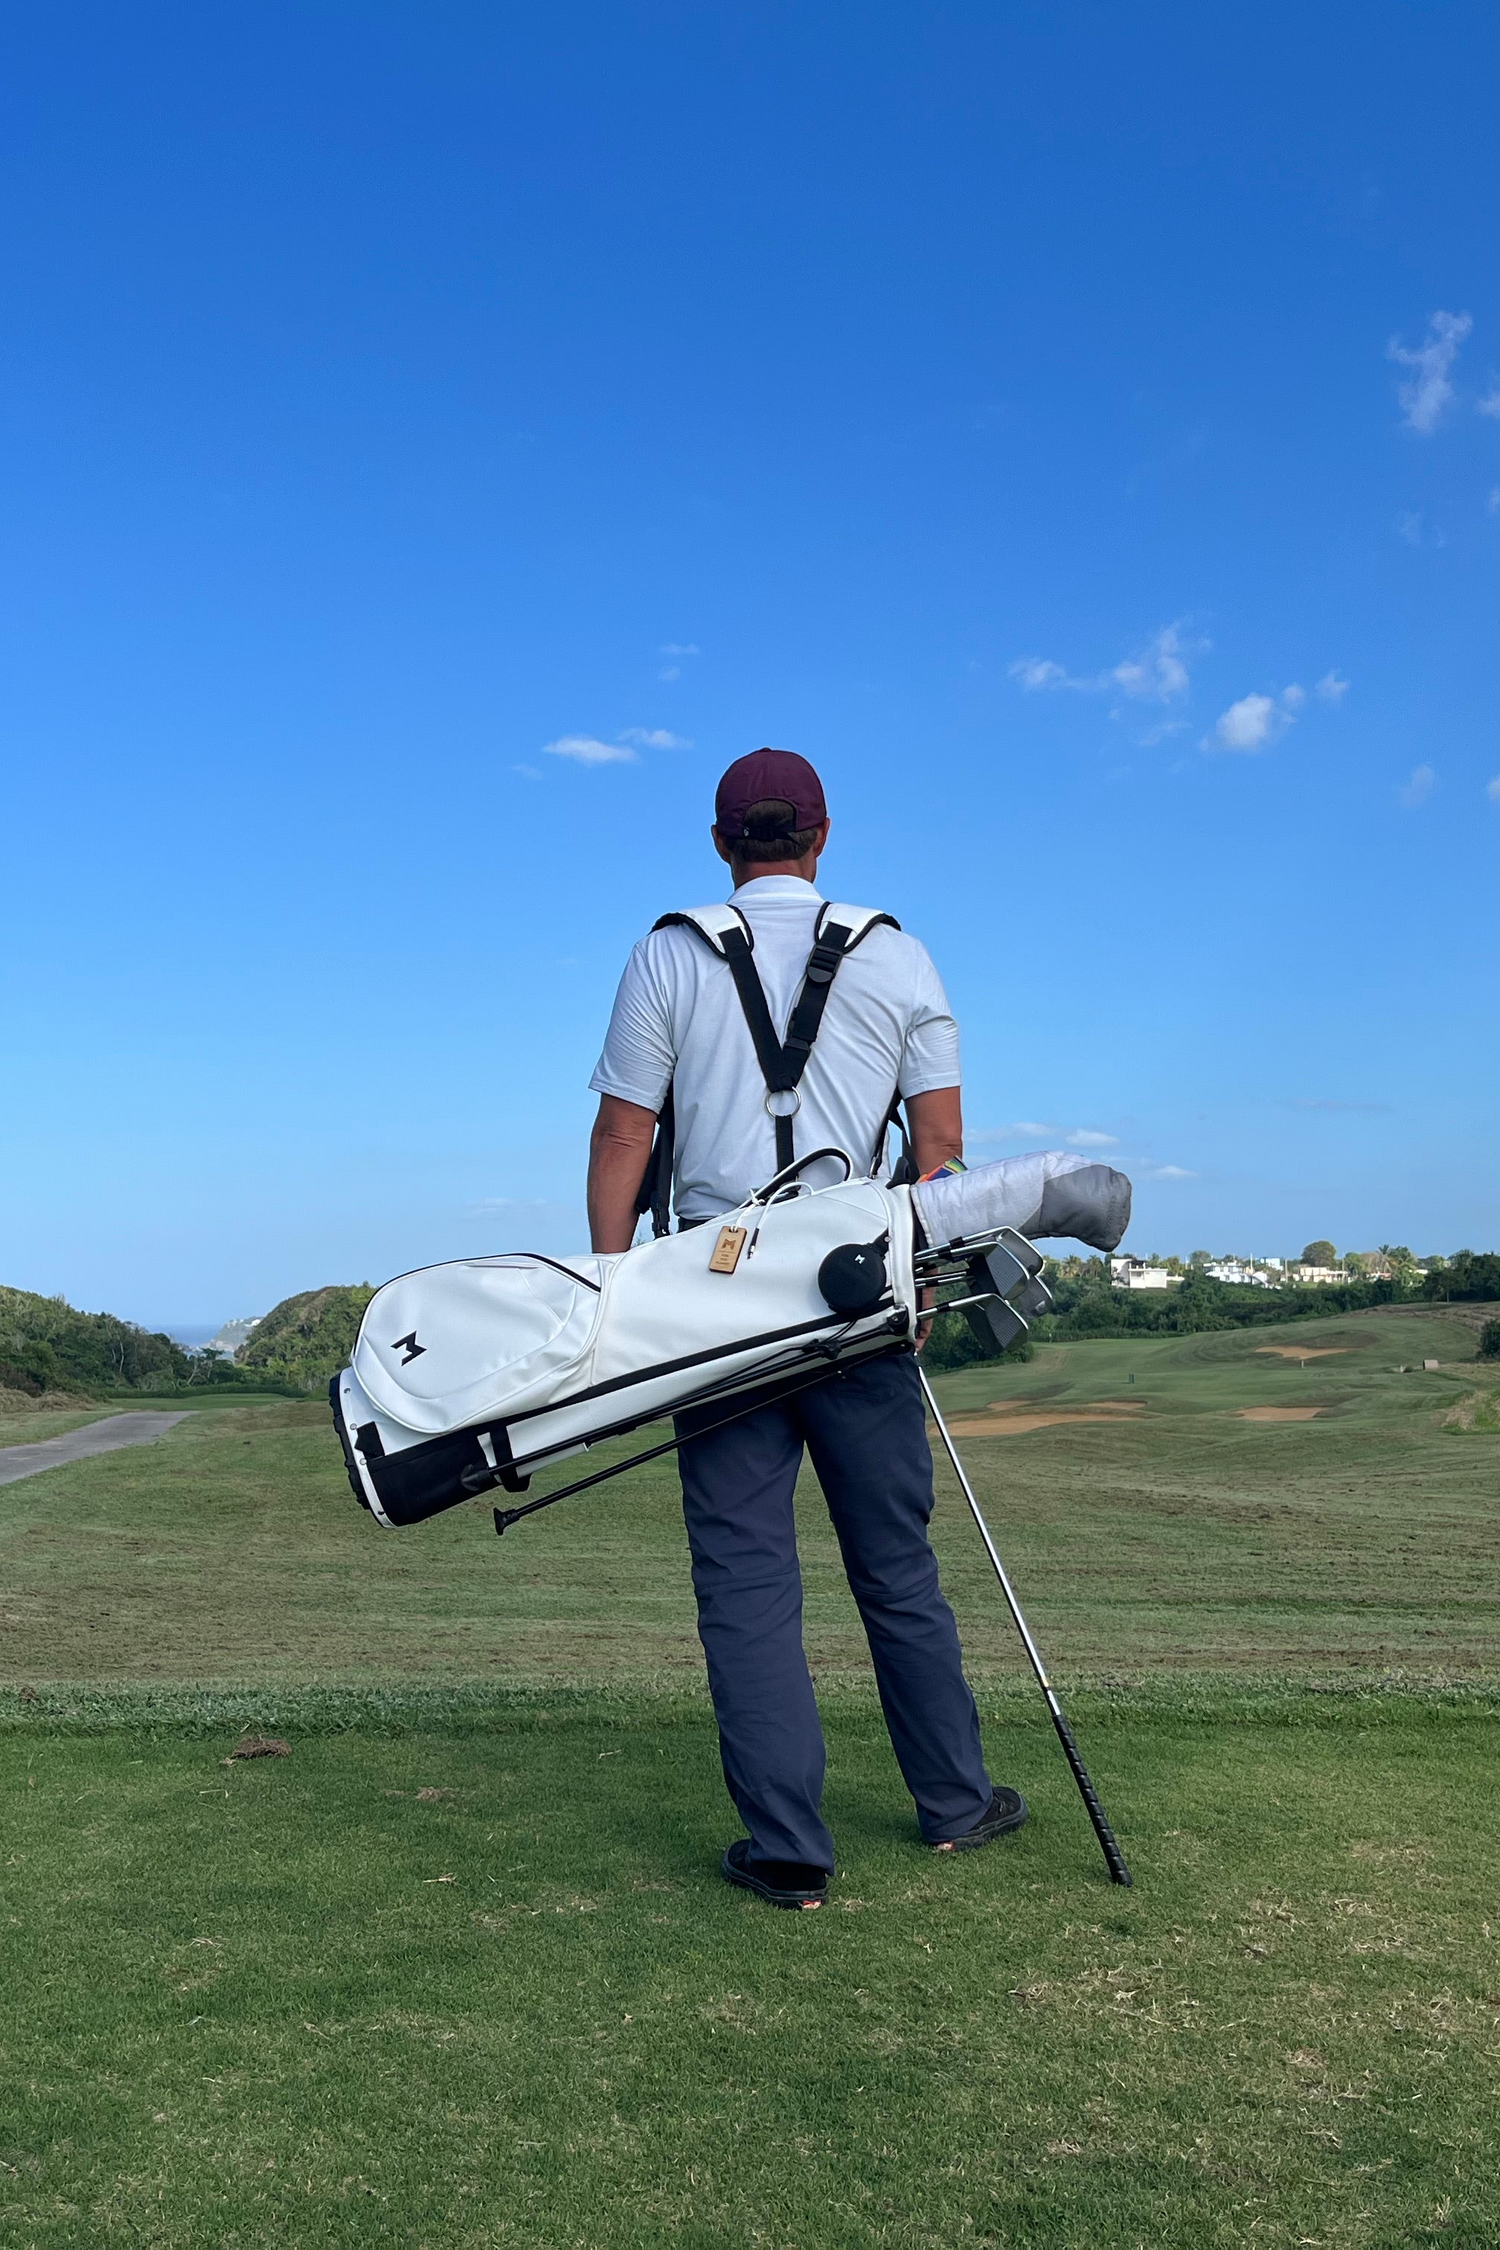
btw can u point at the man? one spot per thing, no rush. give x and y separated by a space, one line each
680 1026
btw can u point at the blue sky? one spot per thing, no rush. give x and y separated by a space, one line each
1075 429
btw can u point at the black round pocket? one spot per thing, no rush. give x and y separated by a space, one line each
853 1277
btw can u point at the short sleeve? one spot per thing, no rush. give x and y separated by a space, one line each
929 1058
639 1057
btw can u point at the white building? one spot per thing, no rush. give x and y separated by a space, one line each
1134 1273
1241 1273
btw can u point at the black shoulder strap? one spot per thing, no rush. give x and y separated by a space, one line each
655 1191
833 942
781 1063
904 1170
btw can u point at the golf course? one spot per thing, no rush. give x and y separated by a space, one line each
363 1888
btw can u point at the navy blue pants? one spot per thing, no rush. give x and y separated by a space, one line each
866 1432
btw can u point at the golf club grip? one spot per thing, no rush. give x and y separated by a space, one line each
1113 1857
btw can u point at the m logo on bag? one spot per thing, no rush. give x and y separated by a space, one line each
410 1346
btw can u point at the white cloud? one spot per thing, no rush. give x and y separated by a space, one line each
1038 672
1168 1172
1250 724
1493 503
1492 790
1491 404
679 648
1429 391
656 738
1331 688
1160 671
1084 1137
670 672
1420 787
532 773
587 752
1413 529
1293 697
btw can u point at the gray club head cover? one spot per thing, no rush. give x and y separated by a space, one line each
1047 1194
1091 1205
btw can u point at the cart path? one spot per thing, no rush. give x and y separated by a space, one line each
106 1436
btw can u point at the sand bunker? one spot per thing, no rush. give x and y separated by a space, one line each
1303 1351
1008 1418
1280 1413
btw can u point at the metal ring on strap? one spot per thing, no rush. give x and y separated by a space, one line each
775 1094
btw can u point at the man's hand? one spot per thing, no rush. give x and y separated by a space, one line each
619 1150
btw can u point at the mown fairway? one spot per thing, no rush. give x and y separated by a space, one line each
458 1970
1169 1533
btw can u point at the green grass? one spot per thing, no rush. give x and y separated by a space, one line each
204 1398
20 1427
1365 1542
28 1425
295 2002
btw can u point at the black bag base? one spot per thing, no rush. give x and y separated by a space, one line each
412 1485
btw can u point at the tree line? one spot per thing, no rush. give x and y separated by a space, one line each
46 1345
1086 1303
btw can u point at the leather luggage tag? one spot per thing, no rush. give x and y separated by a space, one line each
727 1250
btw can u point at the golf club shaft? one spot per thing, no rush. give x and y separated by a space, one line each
1113 1857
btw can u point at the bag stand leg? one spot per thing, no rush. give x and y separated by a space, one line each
1113 1858
505 1517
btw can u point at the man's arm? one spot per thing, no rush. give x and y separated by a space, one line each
937 1126
619 1149
936 1122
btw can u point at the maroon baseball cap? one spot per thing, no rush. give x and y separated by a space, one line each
768 774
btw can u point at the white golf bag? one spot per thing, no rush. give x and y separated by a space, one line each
475 1374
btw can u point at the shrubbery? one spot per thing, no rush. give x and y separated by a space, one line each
306 1339
1468 1277
45 1345
954 1344
1089 1305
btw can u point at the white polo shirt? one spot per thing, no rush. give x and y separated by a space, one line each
678 1021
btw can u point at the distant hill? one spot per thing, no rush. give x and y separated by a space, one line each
234 1333
306 1339
47 1348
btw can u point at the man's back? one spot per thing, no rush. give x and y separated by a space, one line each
678 1021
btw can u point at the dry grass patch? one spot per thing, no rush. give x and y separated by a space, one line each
1014 1418
1302 1351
